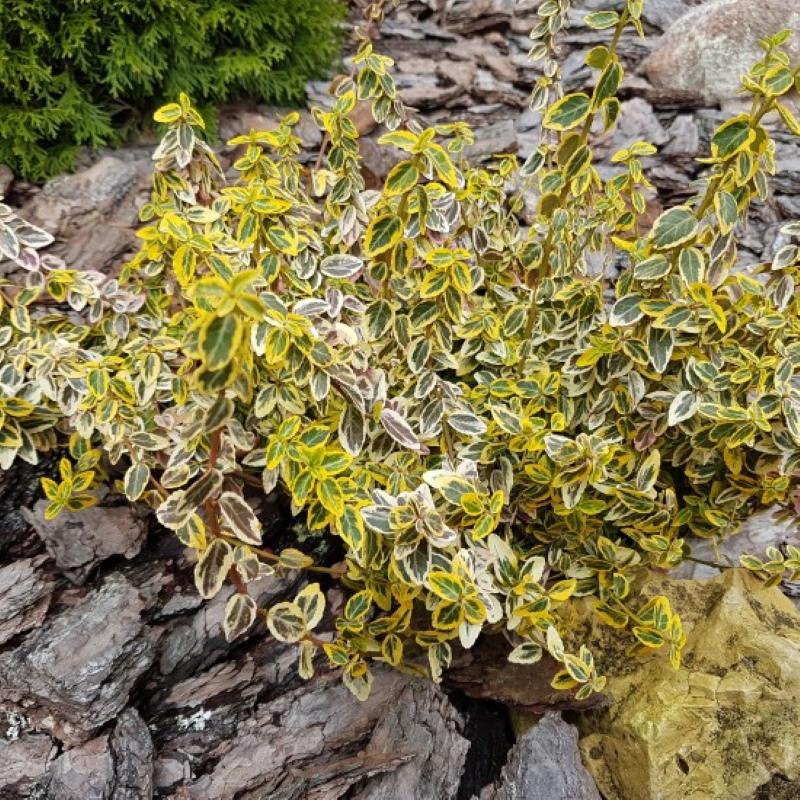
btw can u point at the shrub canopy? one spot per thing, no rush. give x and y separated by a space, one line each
489 428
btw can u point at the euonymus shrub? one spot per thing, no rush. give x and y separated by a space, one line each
448 392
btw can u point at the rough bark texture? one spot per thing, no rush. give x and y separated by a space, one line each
78 542
544 764
116 681
25 592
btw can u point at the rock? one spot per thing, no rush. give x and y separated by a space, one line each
787 177
235 121
189 645
82 773
484 673
25 592
662 13
96 191
684 137
637 120
722 725
207 686
74 674
490 90
415 30
78 542
361 116
500 137
268 756
529 132
468 50
6 180
501 66
471 16
421 722
529 120
417 66
115 767
462 73
93 212
19 489
169 771
377 160
705 52
132 751
755 535
422 97
23 762
544 764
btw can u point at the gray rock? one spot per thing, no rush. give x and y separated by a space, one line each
93 211
705 52
501 66
544 764
662 13
65 200
413 30
787 177
85 772
23 762
421 96
24 596
422 722
299 745
471 16
78 542
416 66
637 120
499 137
191 644
132 750
684 137
755 535
462 73
115 767
169 771
74 674
490 90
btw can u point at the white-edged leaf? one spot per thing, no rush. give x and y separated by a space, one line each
341 265
212 568
352 430
311 602
674 227
526 653
627 310
683 406
240 518
135 481
398 427
554 643
286 622
466 423
175 511
240 613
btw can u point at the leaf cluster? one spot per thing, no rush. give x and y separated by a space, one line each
487 425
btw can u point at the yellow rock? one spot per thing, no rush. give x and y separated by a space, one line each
723 724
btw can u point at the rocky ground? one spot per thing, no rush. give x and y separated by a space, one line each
115 679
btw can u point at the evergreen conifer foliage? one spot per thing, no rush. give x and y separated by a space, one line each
75 72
